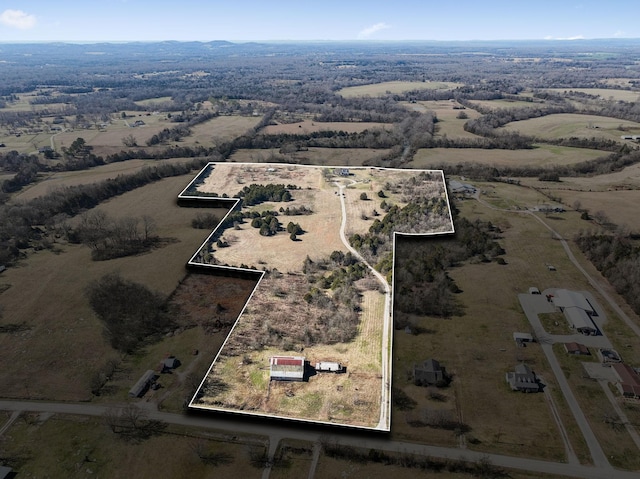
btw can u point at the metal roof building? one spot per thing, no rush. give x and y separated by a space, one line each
286 368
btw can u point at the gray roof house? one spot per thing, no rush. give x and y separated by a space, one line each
523 379
428 372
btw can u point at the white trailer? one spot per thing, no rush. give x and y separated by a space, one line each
329 366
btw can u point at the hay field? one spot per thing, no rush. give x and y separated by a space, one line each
381 89
542 155
564 125
93 175
306 127
222 128
56 357
312 156
603 93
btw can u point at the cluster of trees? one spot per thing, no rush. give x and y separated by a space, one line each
256 194
131 314
422 284
617 257
169 134
111 238
267 224
205 221
34 223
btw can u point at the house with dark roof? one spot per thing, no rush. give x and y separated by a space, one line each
576 348
523 379
629 380
428 373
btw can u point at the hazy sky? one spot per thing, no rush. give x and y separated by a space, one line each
255 20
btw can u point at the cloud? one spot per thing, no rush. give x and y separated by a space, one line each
619 34
367 32
17 19
576 37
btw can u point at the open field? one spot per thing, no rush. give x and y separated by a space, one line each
221 128
239 377
150 102
82 177
381 89
565 125
312 156
80 447
40 368
448 123
604 93
507 104
306 127
542 155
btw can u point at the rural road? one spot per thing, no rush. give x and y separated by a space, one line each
385 400
276 431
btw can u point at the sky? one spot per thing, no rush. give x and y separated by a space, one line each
307 20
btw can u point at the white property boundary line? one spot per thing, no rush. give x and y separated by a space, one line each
384 423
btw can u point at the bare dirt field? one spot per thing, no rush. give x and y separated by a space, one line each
565 125
542 155
308 126
381 89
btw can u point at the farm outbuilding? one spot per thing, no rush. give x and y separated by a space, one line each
521 338
287 368
577 309
329 366
143 383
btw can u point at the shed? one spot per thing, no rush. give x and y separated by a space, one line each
429 372
520 338
523 379
286 368
580 321
576 348
143 383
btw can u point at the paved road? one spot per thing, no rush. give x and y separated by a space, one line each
277 431
527 302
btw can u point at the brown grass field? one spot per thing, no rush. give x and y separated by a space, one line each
312 156
305 127
507 104
564 125
603 93
82 177
447 124
381 89
56 357
353 398
222 128
542 155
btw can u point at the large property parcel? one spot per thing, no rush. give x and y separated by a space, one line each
319 300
